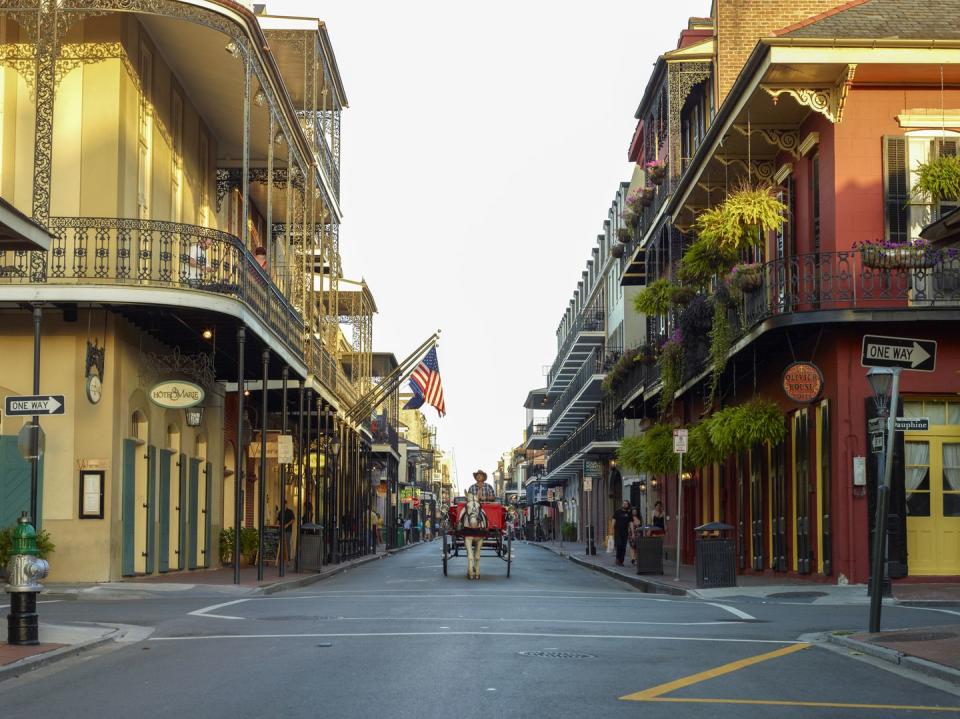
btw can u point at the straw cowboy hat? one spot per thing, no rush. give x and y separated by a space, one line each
479 472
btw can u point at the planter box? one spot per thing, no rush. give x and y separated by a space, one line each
897 257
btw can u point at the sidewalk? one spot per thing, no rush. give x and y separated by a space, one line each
57 641
208 581
933 650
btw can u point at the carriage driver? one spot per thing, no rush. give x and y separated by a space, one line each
483 490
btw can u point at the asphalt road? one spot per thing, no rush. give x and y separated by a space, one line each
395 638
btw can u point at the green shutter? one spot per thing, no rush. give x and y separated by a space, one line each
193 520
182 512
151 508
128 507
896 217
166 459
207 505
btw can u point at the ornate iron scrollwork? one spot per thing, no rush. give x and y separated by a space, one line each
198 367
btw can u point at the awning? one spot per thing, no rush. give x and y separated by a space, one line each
19 232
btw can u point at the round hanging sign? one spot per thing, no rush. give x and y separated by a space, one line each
803 382
176 394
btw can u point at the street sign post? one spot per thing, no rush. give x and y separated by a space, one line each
31 441
34 404
680 442
588 484
903 352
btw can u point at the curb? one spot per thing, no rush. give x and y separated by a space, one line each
928 603
648 586
37 661
283 586
924 666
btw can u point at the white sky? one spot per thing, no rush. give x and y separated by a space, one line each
483 145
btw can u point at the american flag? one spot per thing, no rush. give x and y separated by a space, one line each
426 378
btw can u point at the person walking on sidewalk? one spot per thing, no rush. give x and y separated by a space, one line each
658 520
621 525
634 532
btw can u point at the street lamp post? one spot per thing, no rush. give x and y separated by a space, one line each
885 383
334 455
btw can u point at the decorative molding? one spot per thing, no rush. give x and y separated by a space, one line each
199 367
782 173
809 142
827 100
787 139
682 77
763 168
929 119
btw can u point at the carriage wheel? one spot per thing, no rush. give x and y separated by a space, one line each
509 554
444 547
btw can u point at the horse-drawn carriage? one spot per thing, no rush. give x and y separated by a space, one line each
473 526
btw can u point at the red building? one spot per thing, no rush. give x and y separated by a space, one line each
835 112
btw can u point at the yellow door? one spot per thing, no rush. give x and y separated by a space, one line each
932 478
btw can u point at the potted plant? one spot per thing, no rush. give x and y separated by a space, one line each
682 295
650 452
655 298
747 276
632 219
888 255
671 370
938 179
656 171
704 260
737 428
617 251
635 202
736 223
624 235
646 196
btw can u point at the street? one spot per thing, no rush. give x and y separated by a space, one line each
397 638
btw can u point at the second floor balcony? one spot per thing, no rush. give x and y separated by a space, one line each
582 395
588 331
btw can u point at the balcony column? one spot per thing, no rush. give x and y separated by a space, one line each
240 457
271 254
284 549
262 488
245 176
46 49
303 475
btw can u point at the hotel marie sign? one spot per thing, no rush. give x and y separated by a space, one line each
176 394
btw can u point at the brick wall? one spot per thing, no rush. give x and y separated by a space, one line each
741 23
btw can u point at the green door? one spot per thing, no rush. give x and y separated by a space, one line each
208 478
166 460
182 511
129 507
15 484
150 564
194 504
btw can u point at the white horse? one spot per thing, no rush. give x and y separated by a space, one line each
473 525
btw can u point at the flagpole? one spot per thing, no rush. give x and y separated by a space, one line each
389 383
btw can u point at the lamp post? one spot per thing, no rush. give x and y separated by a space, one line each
885 383
334 455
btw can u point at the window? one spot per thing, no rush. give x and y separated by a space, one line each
176 157
145 135
895 189
204 214
815 204
917 478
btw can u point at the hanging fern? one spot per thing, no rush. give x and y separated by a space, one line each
703 260
654 299
671 373
701 450
651 452
721 340
733 225
735 429
938 179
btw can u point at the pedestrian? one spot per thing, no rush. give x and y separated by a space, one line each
621 524
287 524
407 528
428 529
658 520
375 521
634 532
307 517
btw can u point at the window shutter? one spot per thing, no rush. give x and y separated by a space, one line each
896 219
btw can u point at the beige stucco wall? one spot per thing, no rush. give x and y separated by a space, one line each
90 549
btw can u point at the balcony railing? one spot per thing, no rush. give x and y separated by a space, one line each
537 427
597 363
591 431
152 253
827 281
590 320
324 155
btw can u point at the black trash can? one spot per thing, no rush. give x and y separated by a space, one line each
311 547
715 556
650 551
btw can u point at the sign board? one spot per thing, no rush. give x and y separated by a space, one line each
592 467
876 443
31 441
859 471
28 405
285 449
176 394
803 382
911 424
903 352
680 437
588 484
877 424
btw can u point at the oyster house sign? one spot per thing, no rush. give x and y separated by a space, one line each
803 382
176 394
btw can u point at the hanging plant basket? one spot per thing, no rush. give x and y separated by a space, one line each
938 179
625 235
617 251
656 172
739 221
896 258
747 278
646 196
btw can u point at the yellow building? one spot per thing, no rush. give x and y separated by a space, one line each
184 157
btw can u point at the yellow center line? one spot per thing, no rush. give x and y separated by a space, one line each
776 702
661 689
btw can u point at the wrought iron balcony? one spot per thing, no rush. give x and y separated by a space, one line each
837 286
592 431
150 253
589 378
591 320
314 129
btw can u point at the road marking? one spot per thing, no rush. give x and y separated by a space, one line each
825 705
39 601
555 635
661 689
488 595
551 620
733 610
204 611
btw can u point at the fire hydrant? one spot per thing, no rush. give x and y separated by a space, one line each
24 572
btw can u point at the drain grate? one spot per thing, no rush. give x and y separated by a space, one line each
918 637
557 655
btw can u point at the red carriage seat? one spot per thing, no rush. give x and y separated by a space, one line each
496 514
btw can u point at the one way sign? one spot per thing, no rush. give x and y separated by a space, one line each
903 352
34 404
